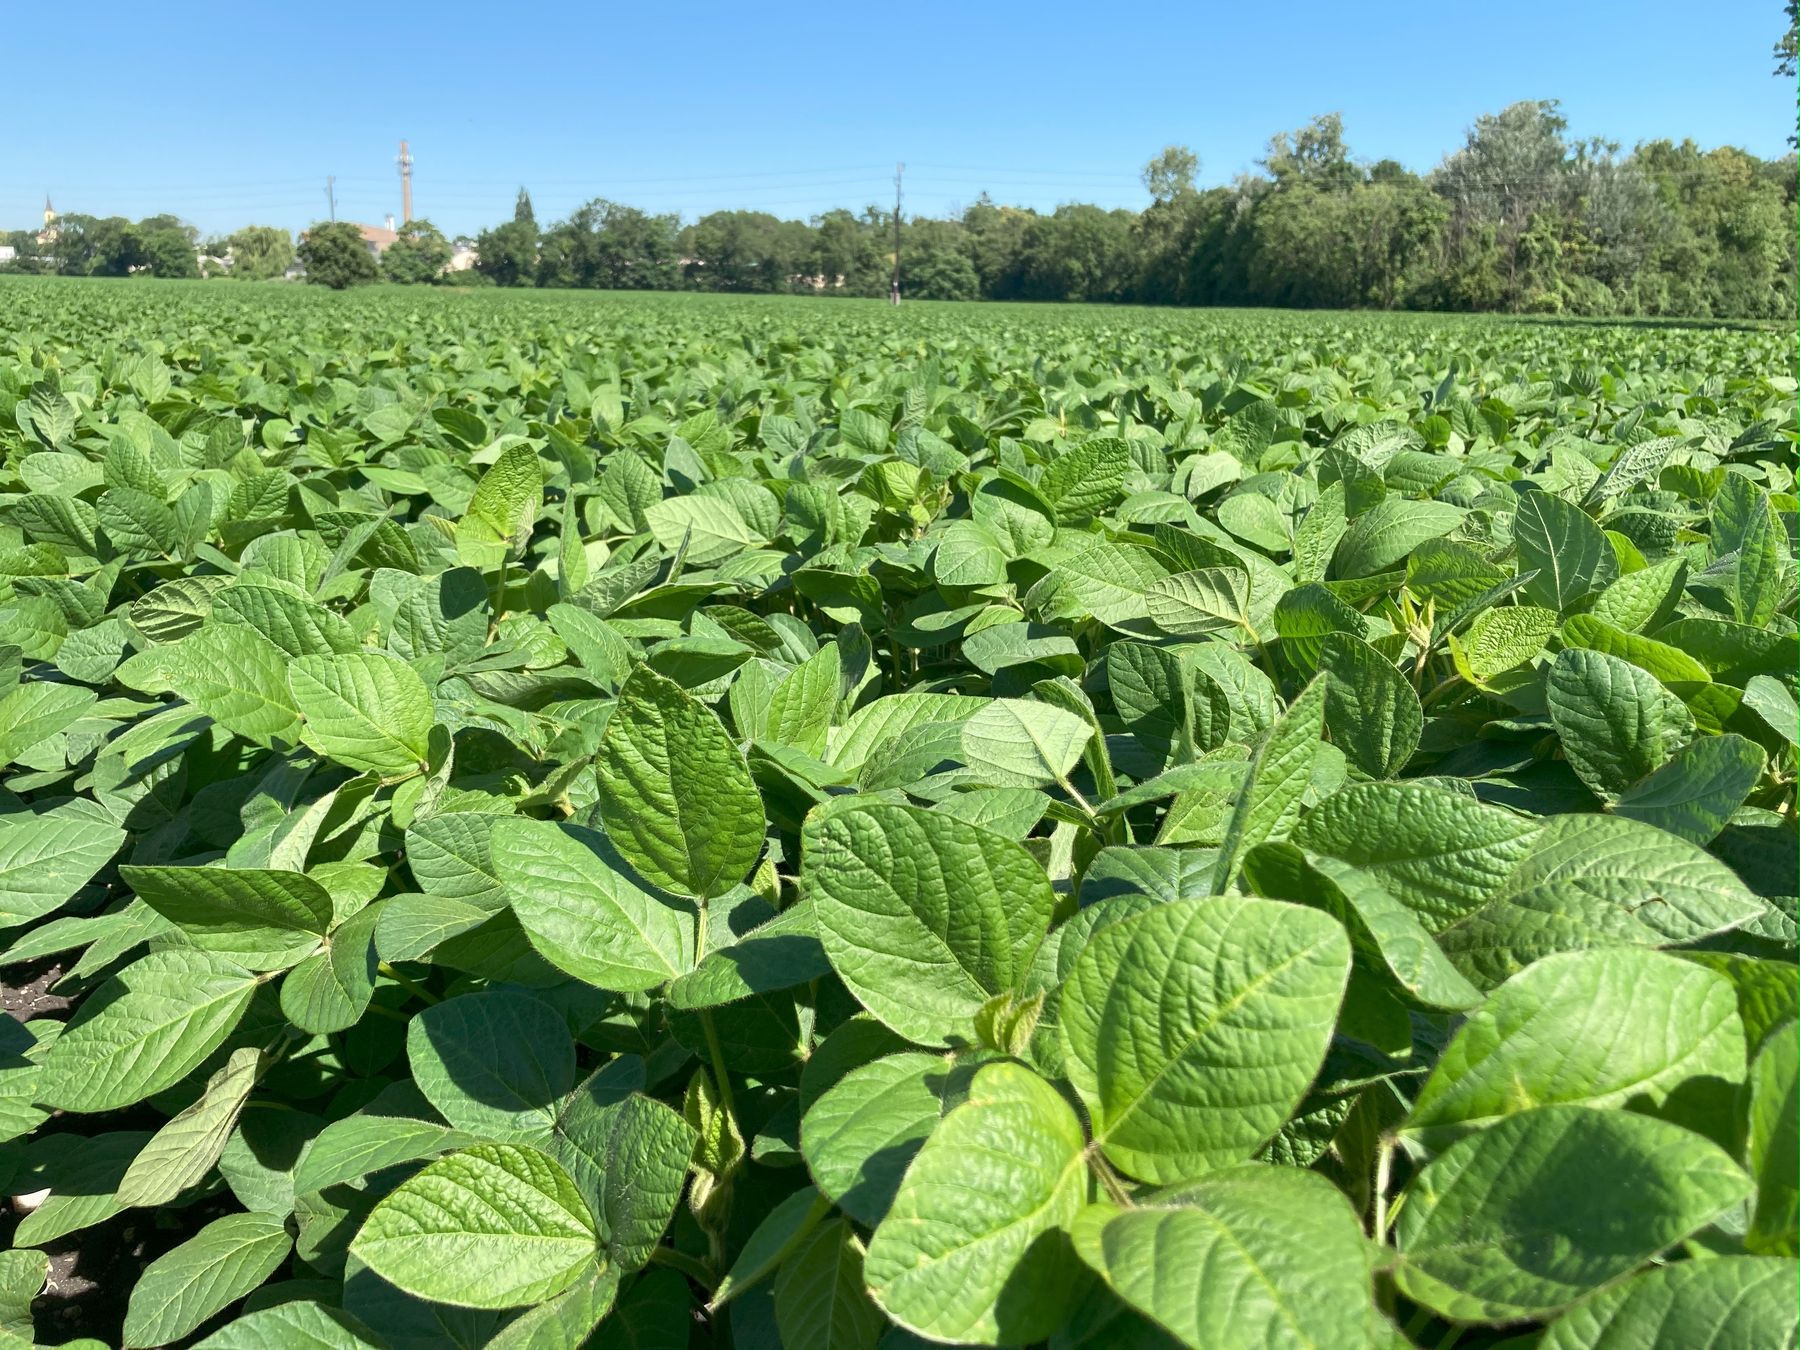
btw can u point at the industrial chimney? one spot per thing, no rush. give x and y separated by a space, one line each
405 162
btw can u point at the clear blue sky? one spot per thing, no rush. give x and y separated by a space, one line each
236 115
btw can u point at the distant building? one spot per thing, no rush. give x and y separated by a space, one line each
463 256
50 233
378 239
8 254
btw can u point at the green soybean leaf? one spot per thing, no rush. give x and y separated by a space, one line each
145 1029
1247 1257
1597 881
1526 1217
924 918
22 1279
1280 770
494 1063
565 1320
1671 664
1695 792
1619 1028
1774 1145
779 954
585 911
238 678
450 855
1439 853
860 1136
46 857
184 1150
1616 723
1769 699
284 614
33 713
978 1254
1641 602
292 1326
1502 639
217 1266
1383 536
676 795
366 710
262 918
802 705
495 1226
370 1141
1014 742
330 990
1563 545
1741 1300
1194 1029
82 1174
1206 600
712 527
502 509
1371 709
1081 482
629 1156
1386 937
821 1302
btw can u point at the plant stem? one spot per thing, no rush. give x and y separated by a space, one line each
691 1266
411 986
1115 1189
1079 800
1420 1319
717 1053
1384 1163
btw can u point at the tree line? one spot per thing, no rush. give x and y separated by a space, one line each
166 246
1521 218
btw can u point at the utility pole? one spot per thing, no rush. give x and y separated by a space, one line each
331 193
894 289
405 162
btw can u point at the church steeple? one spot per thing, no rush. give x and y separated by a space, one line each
49 233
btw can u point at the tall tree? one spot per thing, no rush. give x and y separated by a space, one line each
168 251
417 256
1787 54
334 255
745 251
1315 156
508 253
259 252
1171 173
609 245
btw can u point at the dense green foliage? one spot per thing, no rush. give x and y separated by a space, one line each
697 822
417 256
111 246
334 255
1519 219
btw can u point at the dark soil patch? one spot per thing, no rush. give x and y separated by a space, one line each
25 990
